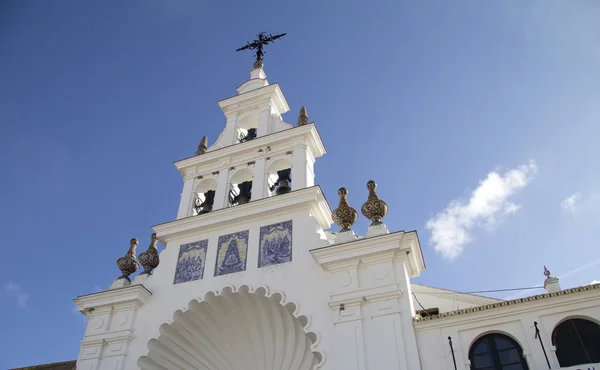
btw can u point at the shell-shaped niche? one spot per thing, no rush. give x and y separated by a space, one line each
235 330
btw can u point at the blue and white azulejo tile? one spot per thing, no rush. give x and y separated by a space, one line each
231 253
275 244
191 261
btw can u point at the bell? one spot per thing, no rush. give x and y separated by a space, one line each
206 206
249 136
245 193
283 182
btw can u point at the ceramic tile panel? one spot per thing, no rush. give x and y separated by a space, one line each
231 253
275 244
191 262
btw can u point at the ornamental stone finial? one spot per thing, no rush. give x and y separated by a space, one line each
149 259
203 146
344 215
551 284
374 208
128 264
303 117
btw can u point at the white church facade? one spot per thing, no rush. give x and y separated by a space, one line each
252 278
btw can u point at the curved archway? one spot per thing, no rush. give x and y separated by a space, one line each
278 170
241 187
235 330
204 196
576 341
496 351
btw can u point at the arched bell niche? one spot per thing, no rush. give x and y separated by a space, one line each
279 176
247 128
241 187
204 196
243 329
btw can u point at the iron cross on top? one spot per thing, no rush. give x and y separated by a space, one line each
263 39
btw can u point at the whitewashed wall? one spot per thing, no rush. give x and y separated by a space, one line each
516 321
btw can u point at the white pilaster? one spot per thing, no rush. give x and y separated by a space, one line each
383 282
259 183
302 174
111 316
349 347
185 203
264 116
222 192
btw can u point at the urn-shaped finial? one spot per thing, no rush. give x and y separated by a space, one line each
344 215
128 264
303 117
374 208
203 146
149 259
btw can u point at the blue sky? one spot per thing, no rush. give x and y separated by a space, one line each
479 120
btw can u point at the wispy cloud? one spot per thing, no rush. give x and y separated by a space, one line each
15 291
577 270
450 228
561 277
569 204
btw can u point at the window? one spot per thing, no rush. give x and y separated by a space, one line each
577 342
497 352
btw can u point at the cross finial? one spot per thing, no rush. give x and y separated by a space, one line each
262 39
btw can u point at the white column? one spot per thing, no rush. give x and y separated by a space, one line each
406 319
259 183
185 203
264 116
302 174
349 349
222 192
111 316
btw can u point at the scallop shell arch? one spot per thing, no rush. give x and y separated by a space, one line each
235 329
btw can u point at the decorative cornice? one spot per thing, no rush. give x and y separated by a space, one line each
486 307
136 294
208 159
390 291
330 256
311 198
271 92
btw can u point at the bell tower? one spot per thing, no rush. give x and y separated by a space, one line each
250 276
257 155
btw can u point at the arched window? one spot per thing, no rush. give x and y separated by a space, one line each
577 342
497 352
204 196
241 187
279 177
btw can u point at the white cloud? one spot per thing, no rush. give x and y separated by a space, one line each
595 282
511 208
569 204
450 228
14 290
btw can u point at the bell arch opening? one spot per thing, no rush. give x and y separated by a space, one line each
235 330
279 177
241 187
204 196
